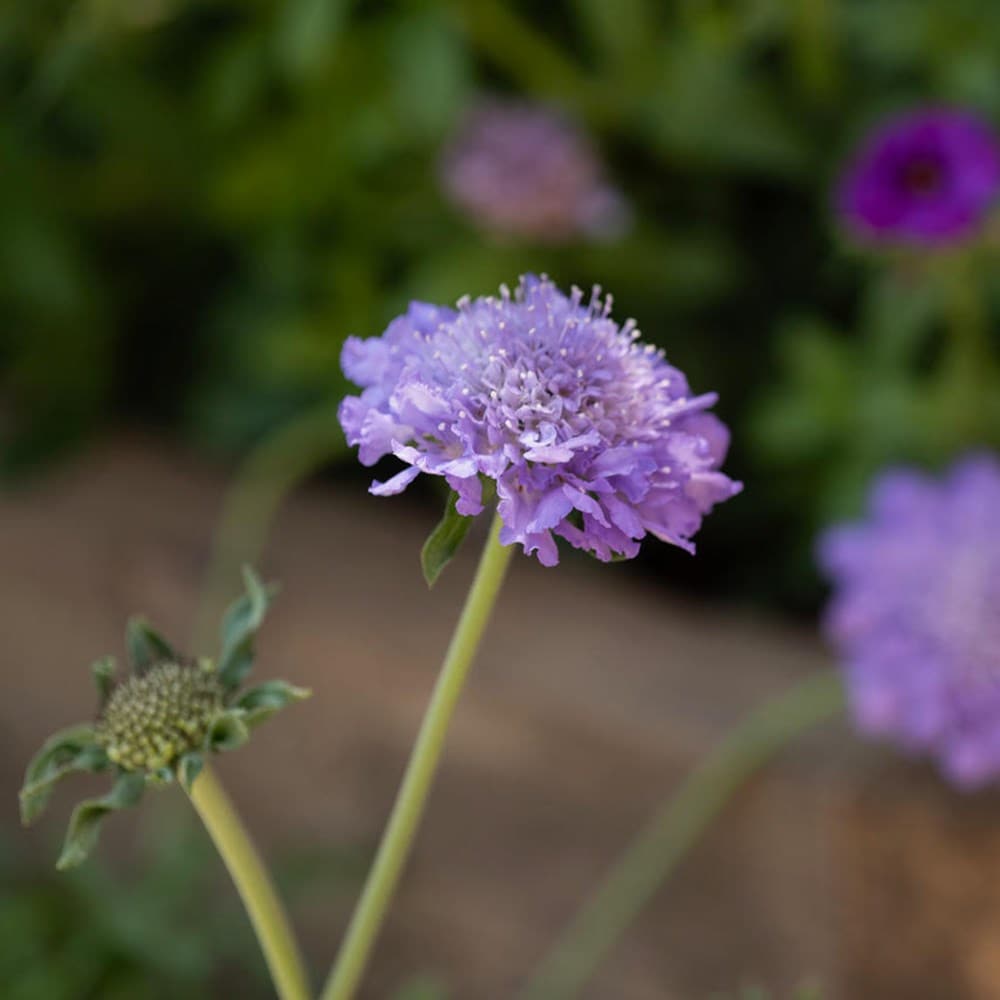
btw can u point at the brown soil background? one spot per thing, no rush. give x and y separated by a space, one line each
593 695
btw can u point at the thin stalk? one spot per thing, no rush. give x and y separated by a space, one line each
270 472
260 900
424 758
673 830
968 367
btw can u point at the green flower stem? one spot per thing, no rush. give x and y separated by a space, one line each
412 797
270 923
270 472
967 370
674 829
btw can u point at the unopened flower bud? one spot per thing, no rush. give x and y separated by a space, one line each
152 720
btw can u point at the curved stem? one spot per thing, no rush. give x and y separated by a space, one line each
412 797
269 473
673 831
270 923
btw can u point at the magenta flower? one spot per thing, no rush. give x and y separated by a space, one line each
916 615
589 435
926 178
525 171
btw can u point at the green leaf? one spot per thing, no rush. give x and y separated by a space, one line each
65 752
188 768
444 540
228 732
239 629
85 823
261 702
103 672
146 646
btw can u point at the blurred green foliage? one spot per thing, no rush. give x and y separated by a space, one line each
167 925
202 198
96 935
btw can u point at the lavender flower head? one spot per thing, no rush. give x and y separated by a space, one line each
927 177
525 171
916 615
589 434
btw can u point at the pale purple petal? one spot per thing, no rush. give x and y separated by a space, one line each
396 484
915 615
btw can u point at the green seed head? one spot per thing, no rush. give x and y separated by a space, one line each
152 720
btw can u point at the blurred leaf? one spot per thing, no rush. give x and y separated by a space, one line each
430 72
802 414
85 823
103 672
146 647
188 769
620 32
228 732
259 703
72 45
306 35
528 55
234 81
707 108
97 934
65 752
899 312
239 630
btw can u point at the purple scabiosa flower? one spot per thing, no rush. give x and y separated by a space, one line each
927 177
526 171
916 615
589 434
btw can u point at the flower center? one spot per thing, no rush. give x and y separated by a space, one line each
152 720
922 175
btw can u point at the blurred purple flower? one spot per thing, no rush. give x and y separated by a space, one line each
526 171
589 434
927 177
916 615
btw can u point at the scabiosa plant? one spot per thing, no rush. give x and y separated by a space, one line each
915 615
925 178
524 170
158 726
587 433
